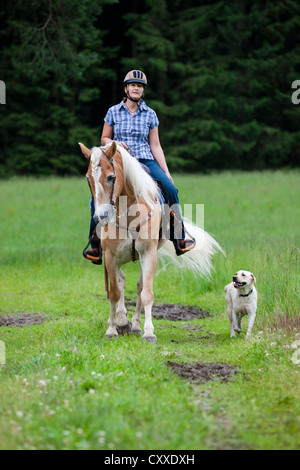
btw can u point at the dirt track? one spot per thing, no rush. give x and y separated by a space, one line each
21 319
174 312
204 372
197 372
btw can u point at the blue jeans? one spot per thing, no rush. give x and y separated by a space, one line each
160 176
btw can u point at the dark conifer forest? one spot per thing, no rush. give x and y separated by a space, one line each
220 77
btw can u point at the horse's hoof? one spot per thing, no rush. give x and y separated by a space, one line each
125 329
111 336
137 332
150 339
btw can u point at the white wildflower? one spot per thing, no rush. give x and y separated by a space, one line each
102 437
42 383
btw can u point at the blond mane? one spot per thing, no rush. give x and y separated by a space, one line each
141 183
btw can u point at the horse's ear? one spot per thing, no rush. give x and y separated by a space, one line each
112 149
86 152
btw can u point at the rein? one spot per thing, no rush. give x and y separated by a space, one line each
136 229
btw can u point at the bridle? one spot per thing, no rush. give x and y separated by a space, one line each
111 196
113 204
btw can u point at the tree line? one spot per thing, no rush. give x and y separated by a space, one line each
220 75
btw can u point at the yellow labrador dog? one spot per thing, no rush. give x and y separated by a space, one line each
241 298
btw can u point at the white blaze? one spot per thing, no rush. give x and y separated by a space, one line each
96 175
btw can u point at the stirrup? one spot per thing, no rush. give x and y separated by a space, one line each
190 242
180 251
93 259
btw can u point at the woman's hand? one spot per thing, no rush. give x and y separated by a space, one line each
122 144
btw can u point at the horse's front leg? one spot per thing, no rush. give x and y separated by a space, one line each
148 264
123 325
114 296
136 319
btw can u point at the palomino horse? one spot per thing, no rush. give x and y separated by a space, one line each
127 209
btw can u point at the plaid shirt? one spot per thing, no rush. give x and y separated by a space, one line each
133 130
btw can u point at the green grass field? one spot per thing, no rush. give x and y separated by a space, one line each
65 386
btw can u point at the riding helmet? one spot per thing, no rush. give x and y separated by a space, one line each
135 76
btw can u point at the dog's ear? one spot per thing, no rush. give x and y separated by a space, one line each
253 278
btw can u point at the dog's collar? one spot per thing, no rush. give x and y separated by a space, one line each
246 295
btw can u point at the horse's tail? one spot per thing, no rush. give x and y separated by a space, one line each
198 260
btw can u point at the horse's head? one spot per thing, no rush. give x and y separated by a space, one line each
102 179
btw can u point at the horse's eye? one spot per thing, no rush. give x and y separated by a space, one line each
110 179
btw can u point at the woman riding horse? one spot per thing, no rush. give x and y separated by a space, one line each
134 126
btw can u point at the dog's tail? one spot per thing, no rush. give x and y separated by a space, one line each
199 259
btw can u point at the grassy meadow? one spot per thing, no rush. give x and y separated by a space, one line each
64 386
